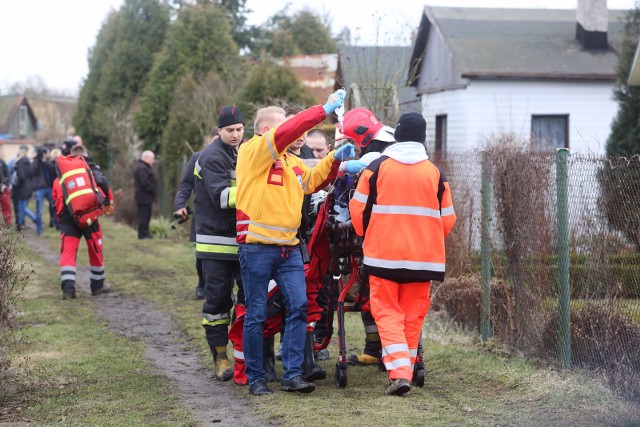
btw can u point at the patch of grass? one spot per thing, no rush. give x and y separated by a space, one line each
73 371
465 384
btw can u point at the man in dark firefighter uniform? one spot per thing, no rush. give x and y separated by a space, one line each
70 234
216 247
181 209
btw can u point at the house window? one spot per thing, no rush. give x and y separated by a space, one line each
550 132
23 118
441 136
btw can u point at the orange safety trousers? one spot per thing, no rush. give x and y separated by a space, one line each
399 311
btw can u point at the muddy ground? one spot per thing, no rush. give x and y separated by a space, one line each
212 402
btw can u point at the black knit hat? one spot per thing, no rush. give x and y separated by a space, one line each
229 115
67 145
411 127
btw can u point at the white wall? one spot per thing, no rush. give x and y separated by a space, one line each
486 108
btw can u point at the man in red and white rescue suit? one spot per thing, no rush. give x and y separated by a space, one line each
402 206
272 325
70 234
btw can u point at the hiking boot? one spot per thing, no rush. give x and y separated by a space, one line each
259 388
362 359
105 289
397 387
310 369
68 290
269 360
298 384
69 294
224 370
199 293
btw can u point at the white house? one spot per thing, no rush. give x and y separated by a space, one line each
533 72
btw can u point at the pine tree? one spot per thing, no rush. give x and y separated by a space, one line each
118 68
198 42
619 186
625 130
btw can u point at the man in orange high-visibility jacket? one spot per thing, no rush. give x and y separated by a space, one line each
402 206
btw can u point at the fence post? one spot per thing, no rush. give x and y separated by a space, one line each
485 250
562 245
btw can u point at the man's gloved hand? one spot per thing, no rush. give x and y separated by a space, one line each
334 101
345 152
351 166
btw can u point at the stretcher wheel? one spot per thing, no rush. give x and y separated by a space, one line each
341 375
418 376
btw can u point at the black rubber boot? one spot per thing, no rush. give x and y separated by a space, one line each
310 370
269 360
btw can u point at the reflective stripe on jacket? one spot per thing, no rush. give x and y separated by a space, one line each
402 206
214 204
272 183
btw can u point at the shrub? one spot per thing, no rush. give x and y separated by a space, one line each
13 277
602 339
126 210
460 299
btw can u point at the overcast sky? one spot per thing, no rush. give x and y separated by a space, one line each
51 38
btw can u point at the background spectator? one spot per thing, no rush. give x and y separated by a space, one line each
145 192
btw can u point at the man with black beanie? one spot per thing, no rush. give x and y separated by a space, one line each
404 200
216 247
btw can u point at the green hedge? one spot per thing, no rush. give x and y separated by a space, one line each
619 275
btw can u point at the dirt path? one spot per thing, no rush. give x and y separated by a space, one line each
212 402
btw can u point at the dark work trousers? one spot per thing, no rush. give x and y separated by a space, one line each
219 278
144 217
199 270
324 327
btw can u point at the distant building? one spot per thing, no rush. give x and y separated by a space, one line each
541 73
316 73
54 117
18 125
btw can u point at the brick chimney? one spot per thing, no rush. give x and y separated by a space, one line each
593 21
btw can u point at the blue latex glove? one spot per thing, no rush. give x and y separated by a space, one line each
352 166
345 152
334 101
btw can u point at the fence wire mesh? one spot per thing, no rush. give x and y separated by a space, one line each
534 245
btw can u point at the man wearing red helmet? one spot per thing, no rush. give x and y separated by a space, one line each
373 137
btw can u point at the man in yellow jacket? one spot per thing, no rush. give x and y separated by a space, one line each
271 184
402 206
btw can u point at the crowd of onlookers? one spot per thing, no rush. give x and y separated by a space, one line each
30 174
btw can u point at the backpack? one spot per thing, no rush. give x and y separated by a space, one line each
83 198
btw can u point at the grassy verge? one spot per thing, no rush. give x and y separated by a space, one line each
463 384
73 371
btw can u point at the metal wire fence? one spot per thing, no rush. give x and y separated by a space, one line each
550 245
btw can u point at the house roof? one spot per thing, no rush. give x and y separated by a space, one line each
9 106
315 72
525 43
371 65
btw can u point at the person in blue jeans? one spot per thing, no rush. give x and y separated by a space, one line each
271 184
43 174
